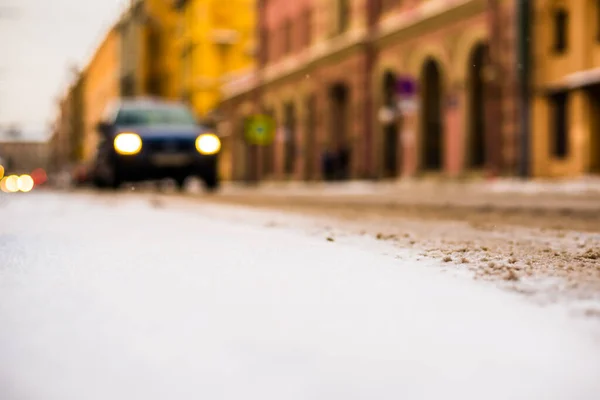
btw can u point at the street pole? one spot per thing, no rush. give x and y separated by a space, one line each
373 9
257 95
494 147
524 70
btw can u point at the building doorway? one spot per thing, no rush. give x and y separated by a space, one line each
390 128
290 138
340 146
476 135
339 114
594 144
431 117
268 152
309 134
242 153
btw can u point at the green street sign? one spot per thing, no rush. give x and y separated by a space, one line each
260 130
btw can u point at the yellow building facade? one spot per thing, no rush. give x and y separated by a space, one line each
165 64
217 44
101 88
149 55
216 40
566 100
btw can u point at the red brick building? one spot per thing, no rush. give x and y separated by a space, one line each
330 73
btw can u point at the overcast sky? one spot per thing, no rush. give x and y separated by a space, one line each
39 40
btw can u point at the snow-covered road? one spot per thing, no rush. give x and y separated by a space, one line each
121 298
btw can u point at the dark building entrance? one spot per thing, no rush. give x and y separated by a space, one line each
290 138
476 136
432 118
309 135
594 145
340 147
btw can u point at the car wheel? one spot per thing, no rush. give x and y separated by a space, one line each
99 183
180 182
115 178
115 184
211 182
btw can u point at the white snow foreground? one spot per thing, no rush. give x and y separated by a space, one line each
128 302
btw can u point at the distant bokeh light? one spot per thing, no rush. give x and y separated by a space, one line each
3 185
39 176
1 172
25 183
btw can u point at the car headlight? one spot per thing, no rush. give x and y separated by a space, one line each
128 143
208 143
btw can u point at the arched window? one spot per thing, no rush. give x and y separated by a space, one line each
307 27
288 37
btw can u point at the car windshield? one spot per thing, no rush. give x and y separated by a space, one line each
155 116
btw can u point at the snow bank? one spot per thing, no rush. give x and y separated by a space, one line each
110 299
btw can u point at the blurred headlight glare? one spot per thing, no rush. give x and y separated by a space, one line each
208 143
12 184
128 143
25 183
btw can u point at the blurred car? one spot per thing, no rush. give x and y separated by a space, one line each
142 139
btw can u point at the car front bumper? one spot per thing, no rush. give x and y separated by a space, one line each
158 165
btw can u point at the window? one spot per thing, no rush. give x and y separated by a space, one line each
598 20
561 29
288 39
343 15
264 49
308 28
559 114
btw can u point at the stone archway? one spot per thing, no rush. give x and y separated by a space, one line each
389 128
432 119
475 155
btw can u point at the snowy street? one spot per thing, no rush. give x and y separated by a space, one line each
140 296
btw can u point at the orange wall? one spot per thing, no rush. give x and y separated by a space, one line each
102 86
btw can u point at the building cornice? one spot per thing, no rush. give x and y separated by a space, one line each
421 18
318 53
391 28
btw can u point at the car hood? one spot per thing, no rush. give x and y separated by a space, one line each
165 131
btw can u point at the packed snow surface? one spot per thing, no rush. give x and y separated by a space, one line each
118 298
